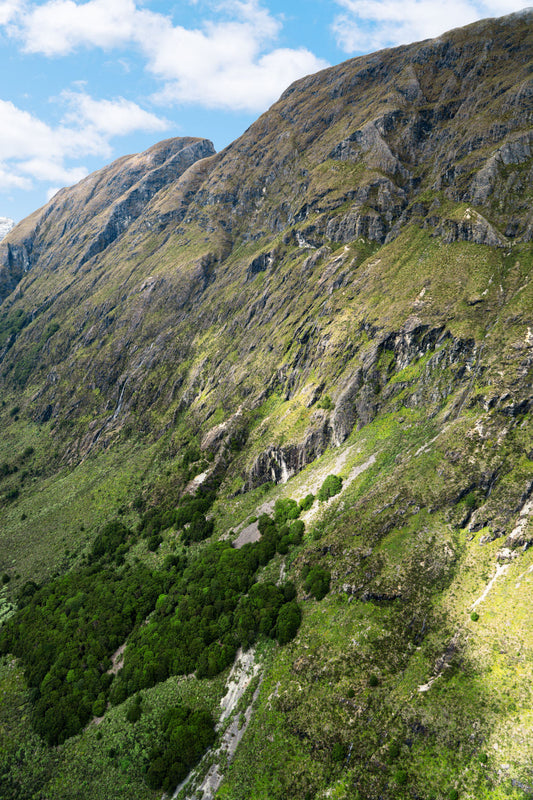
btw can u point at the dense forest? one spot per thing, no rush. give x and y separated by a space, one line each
188 616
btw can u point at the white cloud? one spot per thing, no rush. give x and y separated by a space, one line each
48 169
111 117
228 62
368 25
223 67
23 135
11 179
8 10
60 26
32 150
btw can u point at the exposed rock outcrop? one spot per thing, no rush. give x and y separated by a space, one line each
448 363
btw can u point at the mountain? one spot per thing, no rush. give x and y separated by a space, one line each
334 310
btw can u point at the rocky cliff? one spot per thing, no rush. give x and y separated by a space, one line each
435 136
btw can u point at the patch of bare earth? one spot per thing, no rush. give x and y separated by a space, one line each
251 532
117 660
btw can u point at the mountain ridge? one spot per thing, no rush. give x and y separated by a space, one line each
387 194
315 345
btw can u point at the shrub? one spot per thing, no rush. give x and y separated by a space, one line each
288 622
331 486
134 711
474 616
326 402
154 542
337 752
317 582
296 532
284 510
401 777
99 705
199 529
307 502
112 535
289 591
186 735
471 500
394 751
283 545
373 680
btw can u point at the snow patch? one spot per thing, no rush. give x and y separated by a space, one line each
5 226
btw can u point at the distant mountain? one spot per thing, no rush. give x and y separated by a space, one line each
5 226
345 290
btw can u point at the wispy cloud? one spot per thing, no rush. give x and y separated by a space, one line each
230 61
367 25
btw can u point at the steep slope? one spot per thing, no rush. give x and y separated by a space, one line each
344 290
436 135
82 222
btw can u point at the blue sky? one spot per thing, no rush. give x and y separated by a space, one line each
87 82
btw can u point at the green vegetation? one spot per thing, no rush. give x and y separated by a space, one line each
307 502
191 615
65 634
186 736
12 324
208 611
316 581
331 486
326 403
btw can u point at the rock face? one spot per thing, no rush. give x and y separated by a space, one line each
180 281
7 280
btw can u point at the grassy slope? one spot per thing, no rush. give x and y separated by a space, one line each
477 292
469 732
